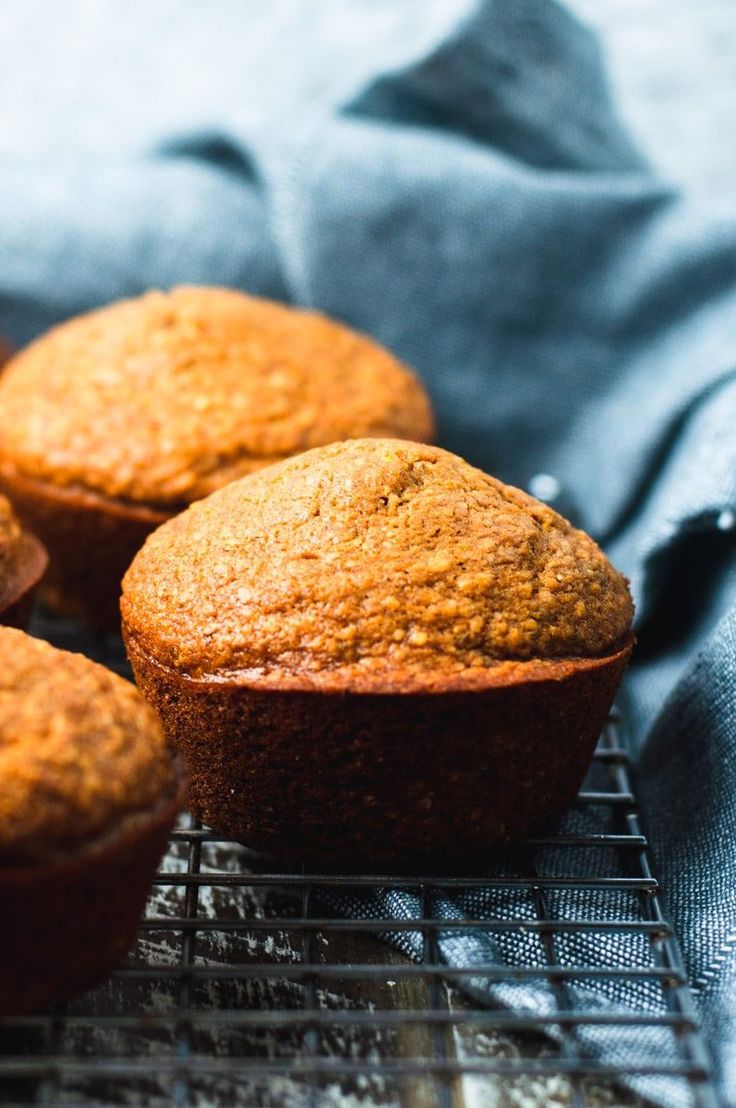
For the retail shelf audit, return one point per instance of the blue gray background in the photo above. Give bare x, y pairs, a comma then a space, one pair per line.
531, 204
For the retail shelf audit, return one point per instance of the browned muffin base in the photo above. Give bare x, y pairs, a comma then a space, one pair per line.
17, 599
66, 924
91, 541
390, 781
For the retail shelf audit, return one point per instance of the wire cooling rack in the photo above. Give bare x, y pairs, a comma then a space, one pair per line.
248, 987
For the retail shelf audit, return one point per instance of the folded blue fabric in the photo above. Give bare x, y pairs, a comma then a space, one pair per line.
614, 1043
462, 189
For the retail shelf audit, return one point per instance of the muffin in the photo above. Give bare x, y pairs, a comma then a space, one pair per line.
23, 562
88, 793
120, 418
376, 656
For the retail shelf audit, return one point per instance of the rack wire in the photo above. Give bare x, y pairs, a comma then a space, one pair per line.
250, 986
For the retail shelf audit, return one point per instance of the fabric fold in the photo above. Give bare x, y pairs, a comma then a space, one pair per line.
454, 180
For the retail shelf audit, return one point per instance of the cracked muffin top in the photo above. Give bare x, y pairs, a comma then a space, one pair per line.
79, 749
370, 559
165, 398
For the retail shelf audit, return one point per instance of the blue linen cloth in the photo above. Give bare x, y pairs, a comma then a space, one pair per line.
453, 179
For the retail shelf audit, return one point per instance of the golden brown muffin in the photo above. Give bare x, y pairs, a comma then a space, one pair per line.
23, 562
119, 418
374, 654
88, 793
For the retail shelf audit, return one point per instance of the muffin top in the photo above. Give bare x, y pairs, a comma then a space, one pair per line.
165, 398
79, 749
370, 557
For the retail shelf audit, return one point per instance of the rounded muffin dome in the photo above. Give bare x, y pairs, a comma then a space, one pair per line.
368, 557
79, 750
162, 399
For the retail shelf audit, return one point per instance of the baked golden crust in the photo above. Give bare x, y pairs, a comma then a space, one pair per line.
79, 751
162, 399
371, 562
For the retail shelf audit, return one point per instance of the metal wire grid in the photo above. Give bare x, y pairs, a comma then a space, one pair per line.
243, 989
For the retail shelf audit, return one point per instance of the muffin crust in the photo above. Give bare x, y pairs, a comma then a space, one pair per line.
371, 560
79, 751
162, 399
